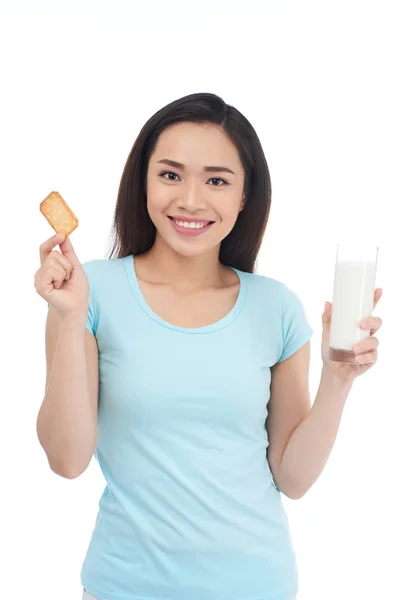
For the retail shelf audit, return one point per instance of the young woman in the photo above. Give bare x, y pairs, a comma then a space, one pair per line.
190, 383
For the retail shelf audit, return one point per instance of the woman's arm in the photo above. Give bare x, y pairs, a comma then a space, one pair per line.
310, 444
67, 420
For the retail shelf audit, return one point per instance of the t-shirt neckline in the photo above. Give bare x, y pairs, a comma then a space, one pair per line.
220, 324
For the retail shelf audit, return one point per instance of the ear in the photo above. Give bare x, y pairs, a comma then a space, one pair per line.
242, 204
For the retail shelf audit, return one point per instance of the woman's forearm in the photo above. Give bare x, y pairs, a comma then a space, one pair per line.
67, 422
311, 443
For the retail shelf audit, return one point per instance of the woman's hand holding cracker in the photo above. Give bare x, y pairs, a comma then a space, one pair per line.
61, 279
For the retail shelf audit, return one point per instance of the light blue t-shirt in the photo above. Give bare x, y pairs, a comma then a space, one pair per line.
190, 510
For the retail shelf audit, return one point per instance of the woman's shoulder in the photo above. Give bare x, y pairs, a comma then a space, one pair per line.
274, 288
261, 283
103, 271
264, 293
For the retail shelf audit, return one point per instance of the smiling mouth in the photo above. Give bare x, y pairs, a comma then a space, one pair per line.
190, 223
190, 227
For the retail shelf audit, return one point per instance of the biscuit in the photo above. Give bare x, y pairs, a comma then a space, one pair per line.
58, 214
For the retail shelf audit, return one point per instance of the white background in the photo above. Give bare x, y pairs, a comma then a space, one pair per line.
319, 82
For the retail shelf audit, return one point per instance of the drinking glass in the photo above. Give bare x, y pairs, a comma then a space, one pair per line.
353, 298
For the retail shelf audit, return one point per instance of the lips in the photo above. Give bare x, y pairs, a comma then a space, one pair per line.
190, 231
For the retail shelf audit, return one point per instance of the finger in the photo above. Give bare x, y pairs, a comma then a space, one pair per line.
367, 357
68, 250
377, 296
367, 345
53, 276
49, 244
371, 323
58, 258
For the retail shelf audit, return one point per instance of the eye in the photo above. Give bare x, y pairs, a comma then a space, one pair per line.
211, 179
168, 173
218, 179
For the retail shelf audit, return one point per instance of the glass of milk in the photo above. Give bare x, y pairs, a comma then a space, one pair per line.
353, 298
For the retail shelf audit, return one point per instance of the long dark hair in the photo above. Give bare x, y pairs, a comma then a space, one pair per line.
133, 230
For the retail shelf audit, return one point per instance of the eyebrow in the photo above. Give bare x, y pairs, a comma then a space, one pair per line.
173, 163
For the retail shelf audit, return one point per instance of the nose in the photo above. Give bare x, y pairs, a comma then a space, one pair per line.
191, 198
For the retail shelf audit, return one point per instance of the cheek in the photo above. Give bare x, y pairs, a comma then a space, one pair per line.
157, 201
228, 217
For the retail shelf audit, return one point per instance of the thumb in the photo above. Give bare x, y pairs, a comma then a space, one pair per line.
326, 315
67, 249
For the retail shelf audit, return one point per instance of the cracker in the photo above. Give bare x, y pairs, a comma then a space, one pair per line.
58, 214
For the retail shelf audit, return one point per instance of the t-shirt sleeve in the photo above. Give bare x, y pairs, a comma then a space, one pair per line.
91, 321
296, 330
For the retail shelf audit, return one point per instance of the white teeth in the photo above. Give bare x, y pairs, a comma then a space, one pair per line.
191, 225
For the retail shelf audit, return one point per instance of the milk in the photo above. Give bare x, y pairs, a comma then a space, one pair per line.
353, 300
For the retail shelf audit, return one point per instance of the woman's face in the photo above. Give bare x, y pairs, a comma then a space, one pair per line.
192, 208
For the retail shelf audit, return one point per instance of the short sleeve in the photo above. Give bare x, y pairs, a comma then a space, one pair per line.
296, 330
91, 321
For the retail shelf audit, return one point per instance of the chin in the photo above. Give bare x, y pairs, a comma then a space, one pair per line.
188, 250
189, 247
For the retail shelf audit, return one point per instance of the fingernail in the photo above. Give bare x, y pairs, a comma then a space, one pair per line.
364, 323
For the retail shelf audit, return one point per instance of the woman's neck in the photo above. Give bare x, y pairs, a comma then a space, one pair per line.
161, 264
